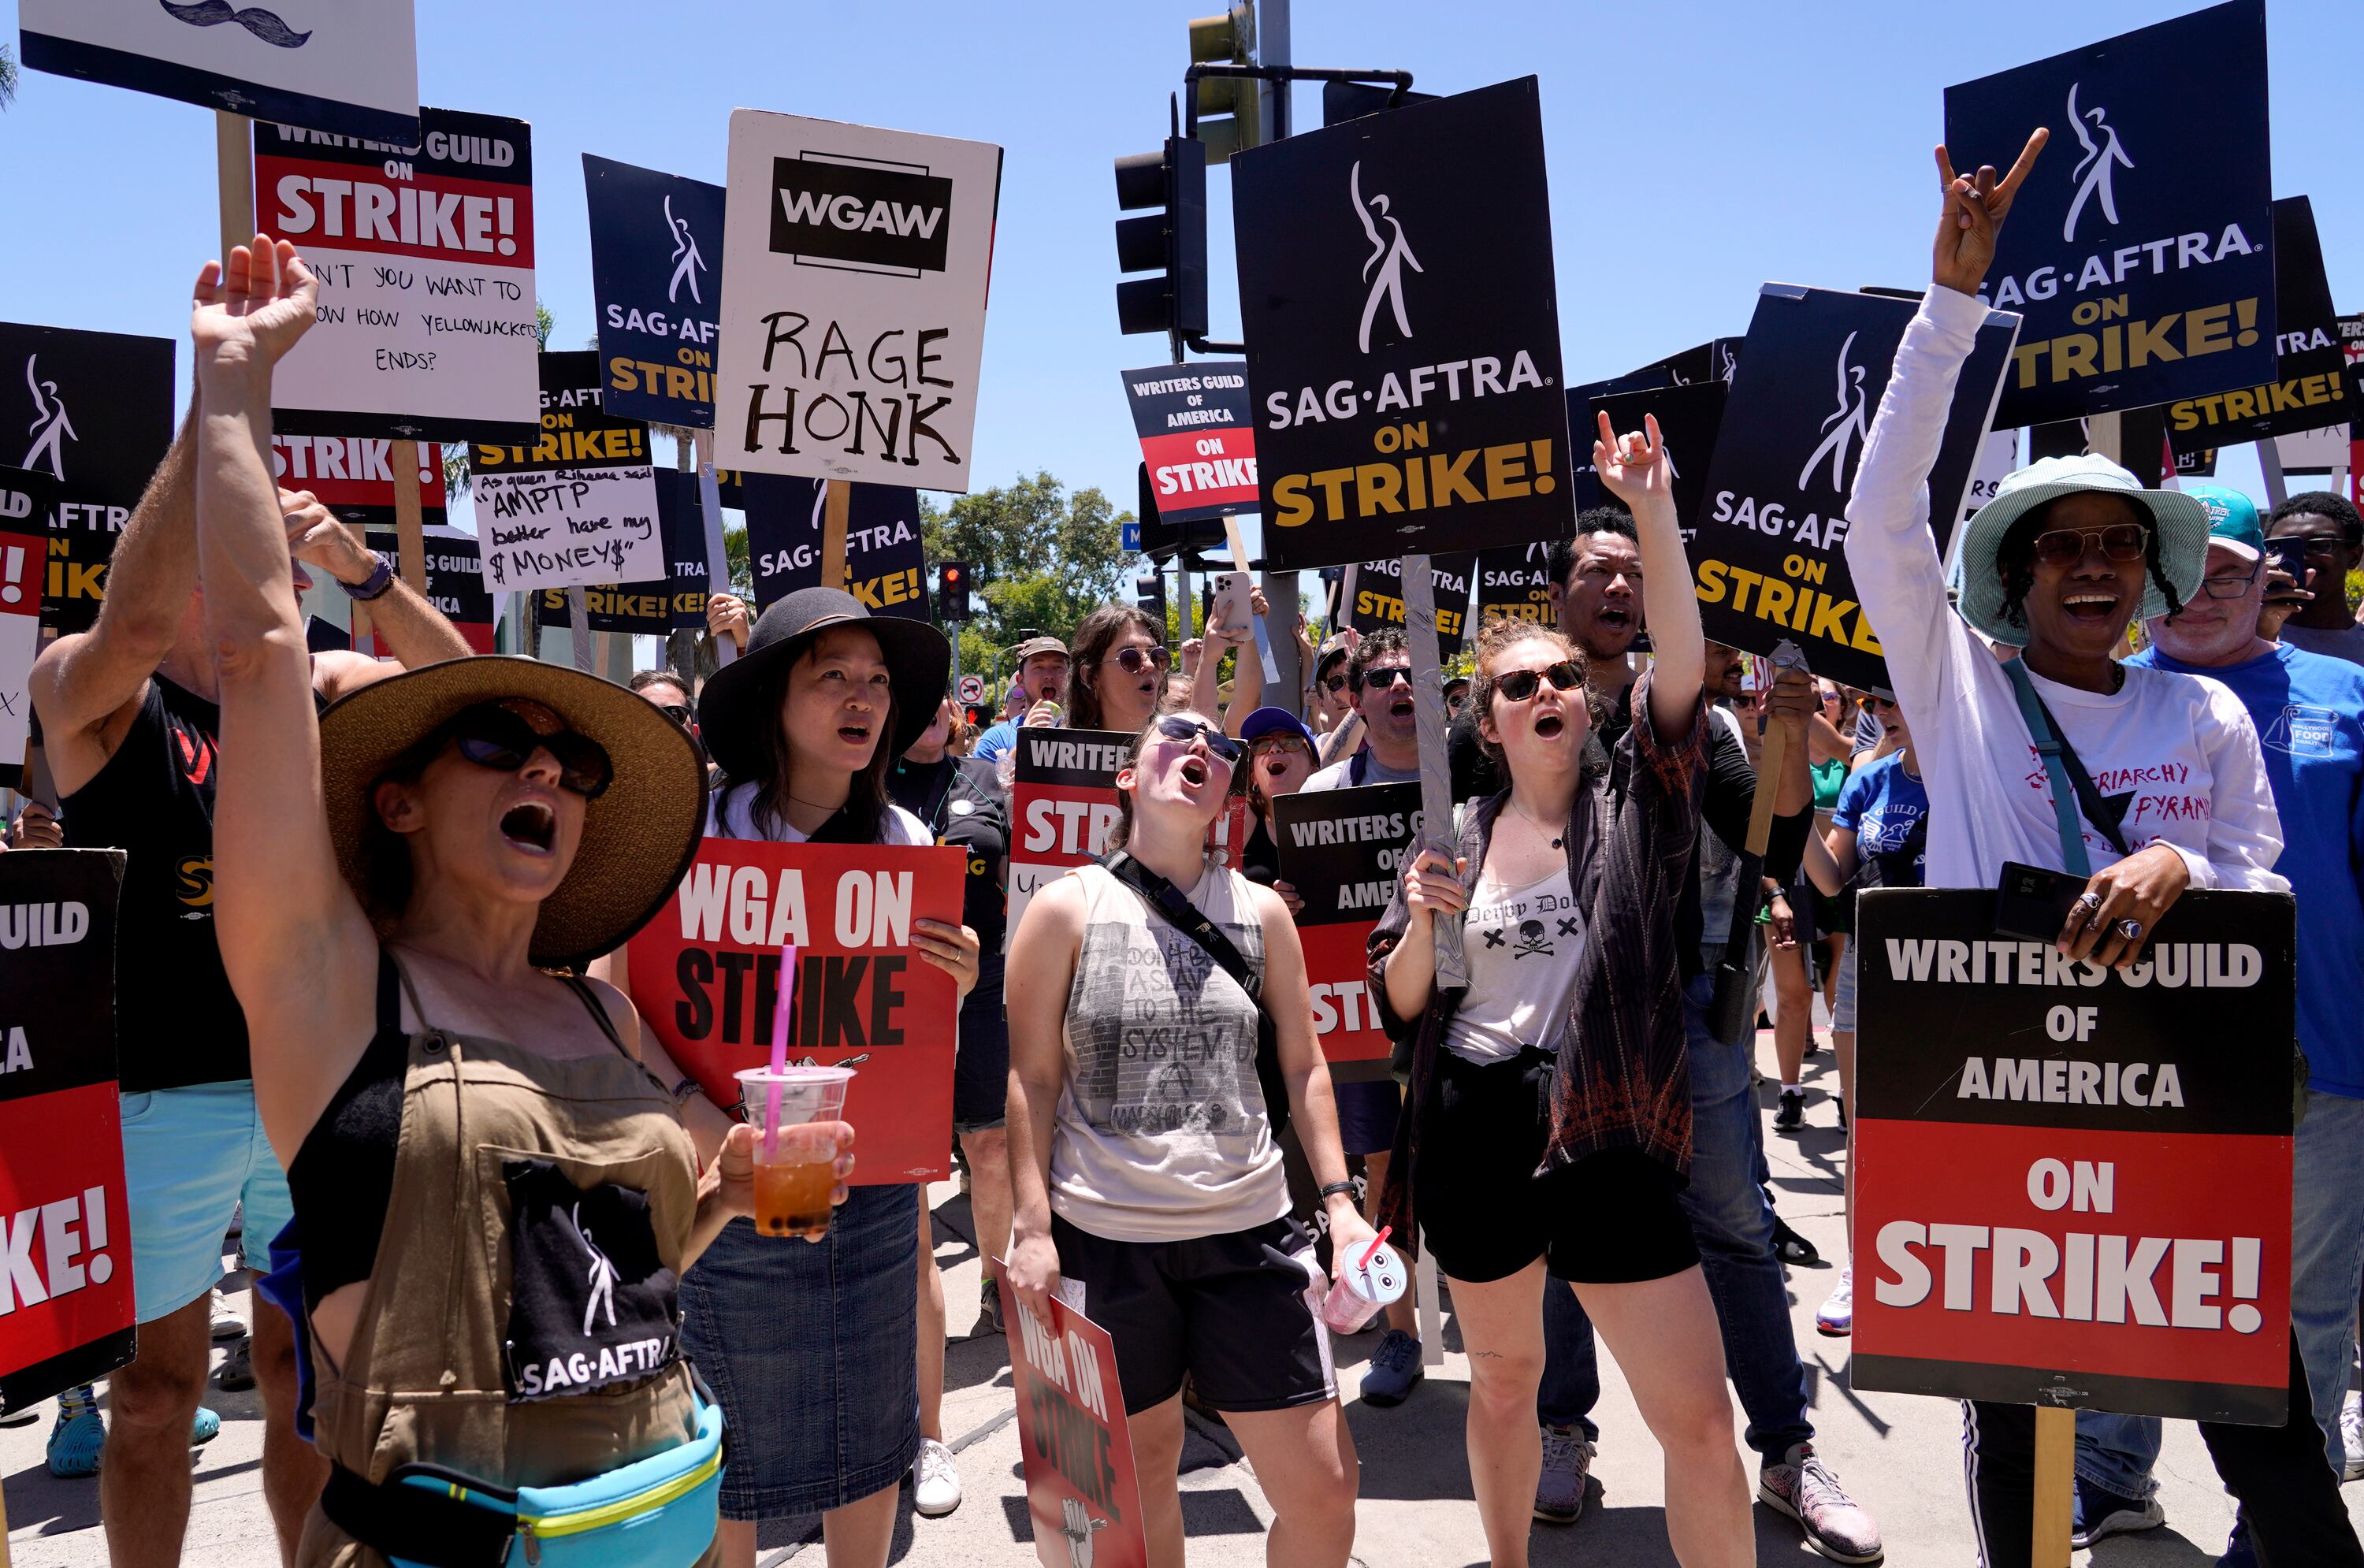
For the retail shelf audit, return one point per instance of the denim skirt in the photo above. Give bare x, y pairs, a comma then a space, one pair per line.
812, 1348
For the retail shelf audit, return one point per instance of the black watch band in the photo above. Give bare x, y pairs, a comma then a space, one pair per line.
374, 586
1334, 1187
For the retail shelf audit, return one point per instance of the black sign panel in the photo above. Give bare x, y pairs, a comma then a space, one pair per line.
1689, 415
682, 519
1380, 601
2310, 389
885, 565
639, 609
92, 410
1768, 550
656, 281
827, 209
1402, 327
455, 575
1196, 438
2140, 248
1515, 584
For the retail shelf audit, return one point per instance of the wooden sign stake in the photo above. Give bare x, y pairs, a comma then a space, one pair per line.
2056, 1479
409, 532
1435, 773
234, 163
835, 508
717, 562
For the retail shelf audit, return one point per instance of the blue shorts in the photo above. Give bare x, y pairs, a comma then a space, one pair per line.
1367, 1109
191, 1157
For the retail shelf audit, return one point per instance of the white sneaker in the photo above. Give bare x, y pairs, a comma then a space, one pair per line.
935, 1479
226, 1323
2351, 1437
1836, 1316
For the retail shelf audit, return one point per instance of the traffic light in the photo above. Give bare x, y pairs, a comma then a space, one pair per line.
1149, 592
951, 592
1230, 109
1172, 244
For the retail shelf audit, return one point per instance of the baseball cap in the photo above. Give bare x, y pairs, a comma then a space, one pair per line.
1034, 645
1267, 721
2232, 519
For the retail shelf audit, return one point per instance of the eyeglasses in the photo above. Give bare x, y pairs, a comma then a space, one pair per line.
1384, 676
1132, 661
2066, 547
1520, 684
1174, 726
1335, 684
494, 736
1266, 744
685, 716
2323, 544
2229, 586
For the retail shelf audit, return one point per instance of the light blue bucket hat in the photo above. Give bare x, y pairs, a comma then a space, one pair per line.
2182, 521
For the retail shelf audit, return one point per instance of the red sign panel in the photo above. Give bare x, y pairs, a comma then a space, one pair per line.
1081, 1488
705, 976
1341, 851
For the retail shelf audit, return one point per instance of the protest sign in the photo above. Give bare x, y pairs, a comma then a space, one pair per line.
884, 564
26, 499
353, 476
2028, 1129
1402, 328
426, 325
1063, 803
1197, 438
348, 66
65, 1298
1340, 851
94, 412
1768, 550
1515, 584
1072, 1436
1690, 417
656, 284
855, 264
579, 505
682, 517
2309, 386
1380, 601
455, 584
705, 976
636, 609
2140, 248
1715, 359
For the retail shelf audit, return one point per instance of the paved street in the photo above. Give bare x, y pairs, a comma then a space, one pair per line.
1900, 1455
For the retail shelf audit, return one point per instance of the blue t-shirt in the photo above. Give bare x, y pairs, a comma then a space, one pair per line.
2309, 710
995, 742
1880, 803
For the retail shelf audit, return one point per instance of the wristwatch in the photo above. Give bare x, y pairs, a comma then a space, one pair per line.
1326, 1193
380, 579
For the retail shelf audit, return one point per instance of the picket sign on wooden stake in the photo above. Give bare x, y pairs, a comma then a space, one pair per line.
410, 538
718, 560
1263, 636
1772, 756
578, 628
1435, 775
834, 509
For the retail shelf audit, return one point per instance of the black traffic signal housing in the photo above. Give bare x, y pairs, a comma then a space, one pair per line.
1171, 243
1149, 592
951, 592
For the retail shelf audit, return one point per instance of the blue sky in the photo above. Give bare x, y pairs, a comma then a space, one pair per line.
1696, 149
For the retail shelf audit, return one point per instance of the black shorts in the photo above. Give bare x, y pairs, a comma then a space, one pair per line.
1615, 1218
981, 1067
1229, 1311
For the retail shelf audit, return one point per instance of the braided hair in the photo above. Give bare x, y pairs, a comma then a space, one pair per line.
2015, 560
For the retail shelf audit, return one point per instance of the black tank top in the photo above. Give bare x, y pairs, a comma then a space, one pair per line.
176, 1020
342, 1176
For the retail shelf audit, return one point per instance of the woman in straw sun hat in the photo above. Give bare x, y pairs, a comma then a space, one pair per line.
495, 1190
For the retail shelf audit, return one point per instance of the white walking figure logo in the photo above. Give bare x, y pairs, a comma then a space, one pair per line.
602, 1275
49, 424
2099, 157
1852, 420
1384, 271
687, 262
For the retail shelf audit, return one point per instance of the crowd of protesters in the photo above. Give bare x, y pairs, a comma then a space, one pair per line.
403, 955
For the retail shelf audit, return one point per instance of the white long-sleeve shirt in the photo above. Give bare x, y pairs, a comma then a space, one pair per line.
2181, 747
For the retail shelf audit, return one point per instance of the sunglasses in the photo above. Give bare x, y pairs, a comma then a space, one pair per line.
1870, 702
1385, 677
1174, 726
2230, 586
2323, 544
492, 737
1270, 744
1132, 661
1335, 684
2066, 547
685, 716
1520, 684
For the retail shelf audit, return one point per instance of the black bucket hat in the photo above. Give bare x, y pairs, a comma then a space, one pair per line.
919, 666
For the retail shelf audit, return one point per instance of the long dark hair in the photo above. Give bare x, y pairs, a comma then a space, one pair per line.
865, 801
1094, 637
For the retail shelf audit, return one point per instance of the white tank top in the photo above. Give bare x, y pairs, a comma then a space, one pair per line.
1161, 1133
1524, 945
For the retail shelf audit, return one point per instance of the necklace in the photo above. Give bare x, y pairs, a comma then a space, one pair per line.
816, 805
1540, 827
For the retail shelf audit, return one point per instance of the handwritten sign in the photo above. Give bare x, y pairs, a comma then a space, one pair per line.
580, 505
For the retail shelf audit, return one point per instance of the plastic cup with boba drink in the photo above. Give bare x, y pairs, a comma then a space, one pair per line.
791, 1191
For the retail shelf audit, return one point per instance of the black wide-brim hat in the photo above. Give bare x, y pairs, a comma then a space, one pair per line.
731, 719
638, 836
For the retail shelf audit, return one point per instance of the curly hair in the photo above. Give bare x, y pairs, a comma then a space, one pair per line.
2324, 504
2015, 560
1381, 644
1496, 638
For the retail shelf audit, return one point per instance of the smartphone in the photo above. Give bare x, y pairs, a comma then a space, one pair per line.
2033, 904
2289, 555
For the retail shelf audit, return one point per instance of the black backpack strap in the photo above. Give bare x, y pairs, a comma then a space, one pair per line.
2089, 798
1183, 915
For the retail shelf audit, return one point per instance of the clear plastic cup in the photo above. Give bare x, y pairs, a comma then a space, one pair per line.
1373, 1277
792, 1193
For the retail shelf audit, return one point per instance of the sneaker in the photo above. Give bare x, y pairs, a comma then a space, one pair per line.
237, 1374
2100, 1512
75, 1440
226, 1323
1835, 1317
1395, 1368
1791, 1113
1802, 1486
988, 1310
2238, 1552
1567, 1461
2351, 1437
204, 1427
935, 1479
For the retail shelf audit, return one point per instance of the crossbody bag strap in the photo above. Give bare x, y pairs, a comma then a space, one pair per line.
2051, 747
1183, 915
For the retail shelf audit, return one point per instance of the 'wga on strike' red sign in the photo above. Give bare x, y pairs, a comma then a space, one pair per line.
705, 976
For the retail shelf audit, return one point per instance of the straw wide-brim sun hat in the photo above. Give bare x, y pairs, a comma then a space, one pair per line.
638, 838
2181, 519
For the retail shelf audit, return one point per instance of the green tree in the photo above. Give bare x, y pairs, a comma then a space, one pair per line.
8, 77
1042, 556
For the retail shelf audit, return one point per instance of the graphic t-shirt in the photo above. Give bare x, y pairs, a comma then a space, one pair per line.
1161, 1133
1880, 804
2310, 716
1522, 945
1362, 768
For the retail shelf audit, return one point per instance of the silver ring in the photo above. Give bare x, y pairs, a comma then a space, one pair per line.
2130, 929
2089, 901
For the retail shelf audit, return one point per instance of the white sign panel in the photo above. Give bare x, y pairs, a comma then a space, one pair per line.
579, 506
350, 66
854, 270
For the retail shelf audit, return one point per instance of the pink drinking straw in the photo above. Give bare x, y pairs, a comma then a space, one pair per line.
780, 1013
1385, 1232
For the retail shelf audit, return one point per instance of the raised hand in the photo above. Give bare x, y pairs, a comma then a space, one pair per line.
250, 310
1976, 206
1634, 467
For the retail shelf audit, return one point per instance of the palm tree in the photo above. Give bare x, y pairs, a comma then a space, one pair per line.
8, 77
